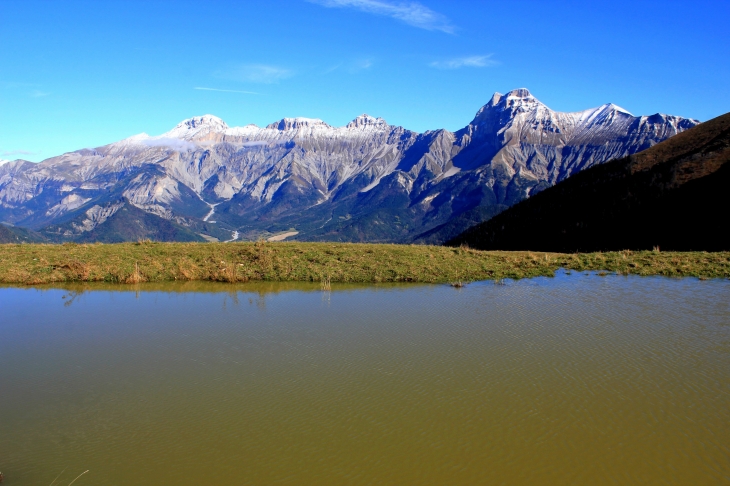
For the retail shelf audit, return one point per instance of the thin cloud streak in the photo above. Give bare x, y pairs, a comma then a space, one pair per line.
255, 73
13, 153
351, 67
173, 143
412, 13
468, 61
200, 88
333, 68
361, 65
38, 94
13, 85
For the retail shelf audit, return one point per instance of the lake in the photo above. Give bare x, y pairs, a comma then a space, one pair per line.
577, 379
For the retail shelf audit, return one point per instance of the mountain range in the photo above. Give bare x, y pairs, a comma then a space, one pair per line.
671, 197
366, 181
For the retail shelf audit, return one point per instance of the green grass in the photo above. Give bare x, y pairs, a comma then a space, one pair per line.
320, 262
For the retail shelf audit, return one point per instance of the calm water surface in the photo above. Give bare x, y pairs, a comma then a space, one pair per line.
572, 380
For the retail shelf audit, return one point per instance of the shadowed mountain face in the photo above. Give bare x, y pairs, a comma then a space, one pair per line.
9, 234
116, 222
672, 196
367, 181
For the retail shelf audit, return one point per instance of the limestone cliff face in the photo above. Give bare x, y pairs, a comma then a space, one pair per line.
333, 182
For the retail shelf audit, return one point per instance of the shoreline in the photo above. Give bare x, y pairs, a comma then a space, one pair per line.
132, 263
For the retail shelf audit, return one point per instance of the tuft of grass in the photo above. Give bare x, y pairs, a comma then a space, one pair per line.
136, 277
33, 264
69, 484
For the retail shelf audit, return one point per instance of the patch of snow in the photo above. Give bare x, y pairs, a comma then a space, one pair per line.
618, 108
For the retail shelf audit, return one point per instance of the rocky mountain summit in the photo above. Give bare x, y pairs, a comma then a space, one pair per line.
366, 181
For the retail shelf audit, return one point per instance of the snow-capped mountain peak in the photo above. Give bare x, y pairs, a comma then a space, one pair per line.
197, 126
364, 121
613, 107
296, 123
521, 94
507, 105
3, 161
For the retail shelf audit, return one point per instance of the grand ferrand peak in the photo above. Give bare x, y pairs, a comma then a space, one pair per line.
205, 121
197, 126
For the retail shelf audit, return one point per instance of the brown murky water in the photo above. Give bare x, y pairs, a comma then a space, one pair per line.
573, 380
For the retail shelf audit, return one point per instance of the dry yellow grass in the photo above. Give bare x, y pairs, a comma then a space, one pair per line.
314, 262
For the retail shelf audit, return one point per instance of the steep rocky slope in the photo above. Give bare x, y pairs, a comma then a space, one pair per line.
672, 196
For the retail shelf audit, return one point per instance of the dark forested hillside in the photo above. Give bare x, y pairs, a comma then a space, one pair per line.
13, 234
673, 196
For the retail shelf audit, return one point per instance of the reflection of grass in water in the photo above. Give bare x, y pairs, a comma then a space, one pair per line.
134, 263
69, 484
54, 481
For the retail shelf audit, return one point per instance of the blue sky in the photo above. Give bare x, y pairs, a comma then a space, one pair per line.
77, 74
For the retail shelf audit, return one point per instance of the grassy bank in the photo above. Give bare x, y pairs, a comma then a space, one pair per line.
324, 262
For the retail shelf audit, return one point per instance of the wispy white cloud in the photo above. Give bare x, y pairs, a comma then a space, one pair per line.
172, 143
255, 73
412, 13
352, 67
38, 94
200, 88
468, 61
12, 153
14, 84
361, 65
334, 68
